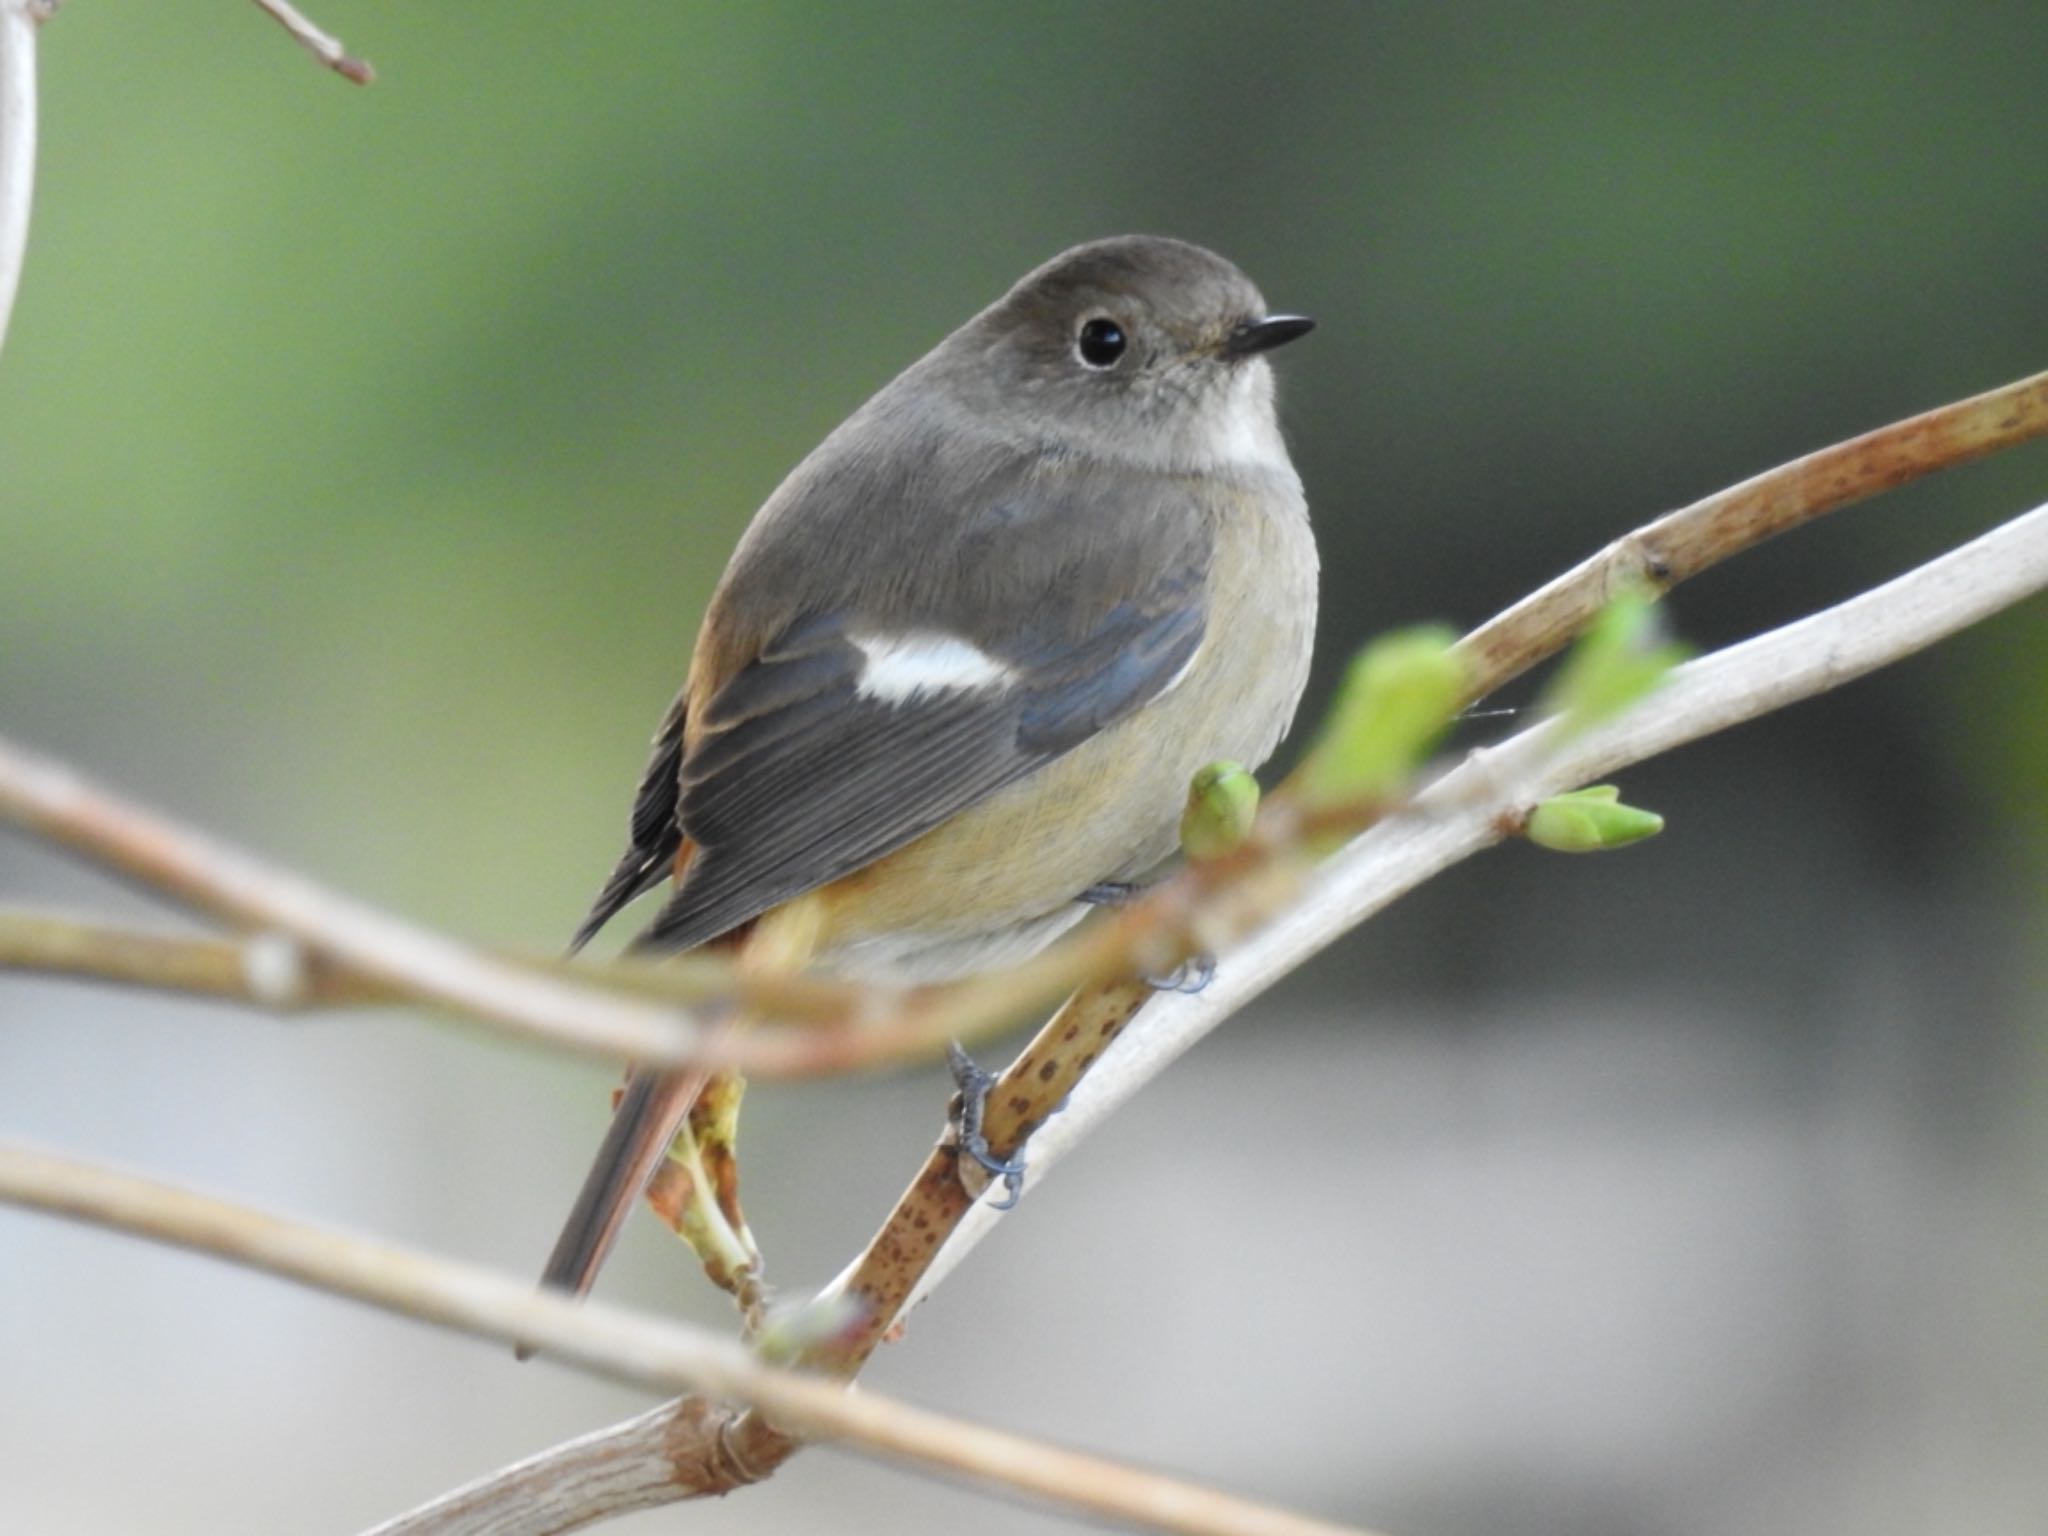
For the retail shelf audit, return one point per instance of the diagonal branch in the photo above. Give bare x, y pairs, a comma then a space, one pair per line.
627, 1346
1469, 809
1682, 544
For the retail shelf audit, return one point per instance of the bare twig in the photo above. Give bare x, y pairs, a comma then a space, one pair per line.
268, 970
261, 970
18, 22
56, 804
676, 1451
1682, 544
624, 1345
322, 45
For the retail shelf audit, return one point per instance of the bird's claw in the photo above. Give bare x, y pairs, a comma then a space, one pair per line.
1189, 977
974, 1085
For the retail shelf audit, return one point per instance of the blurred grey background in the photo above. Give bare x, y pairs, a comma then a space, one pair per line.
366, 457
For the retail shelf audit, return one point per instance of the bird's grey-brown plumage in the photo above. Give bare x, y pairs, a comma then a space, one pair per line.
980, 639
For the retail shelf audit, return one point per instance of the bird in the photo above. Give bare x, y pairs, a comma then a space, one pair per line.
950, 689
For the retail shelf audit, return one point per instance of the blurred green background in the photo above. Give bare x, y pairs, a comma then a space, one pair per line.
366, 458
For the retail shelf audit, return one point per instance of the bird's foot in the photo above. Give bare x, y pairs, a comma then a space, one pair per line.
974, 1085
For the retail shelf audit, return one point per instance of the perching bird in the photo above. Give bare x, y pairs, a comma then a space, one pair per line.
966, 658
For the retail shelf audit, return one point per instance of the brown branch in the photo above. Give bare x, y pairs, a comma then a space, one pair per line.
324, 46
268, 970
1682, 544
883, 1279
55, 804
1487, 797
626, 1346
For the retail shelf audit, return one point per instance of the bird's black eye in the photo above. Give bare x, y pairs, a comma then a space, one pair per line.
1101, 342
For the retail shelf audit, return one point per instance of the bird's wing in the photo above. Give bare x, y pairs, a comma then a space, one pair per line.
869, 674
867, 677
808, 768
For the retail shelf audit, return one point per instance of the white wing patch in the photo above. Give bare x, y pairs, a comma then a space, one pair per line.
899, 668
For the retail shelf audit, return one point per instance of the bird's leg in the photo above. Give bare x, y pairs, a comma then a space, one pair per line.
1112, 893
969, 1106
1191, 975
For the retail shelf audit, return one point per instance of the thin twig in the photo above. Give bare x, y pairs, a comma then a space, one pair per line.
257, 970
1682, 544
626, 1346
267, 970
673, 1452
323, 46
57, 805
18, 22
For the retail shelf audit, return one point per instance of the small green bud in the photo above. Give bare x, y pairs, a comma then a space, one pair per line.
1222, 800
1621, 657
1590, 820
1398, 697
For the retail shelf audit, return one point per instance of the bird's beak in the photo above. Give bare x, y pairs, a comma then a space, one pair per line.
1264, 335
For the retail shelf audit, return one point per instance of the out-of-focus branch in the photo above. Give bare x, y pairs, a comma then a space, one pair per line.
57, 805
324, 46
626, 1346
268, 970
677, 1451
18, 22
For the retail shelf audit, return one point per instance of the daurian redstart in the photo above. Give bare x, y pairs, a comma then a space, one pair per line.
968, 655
